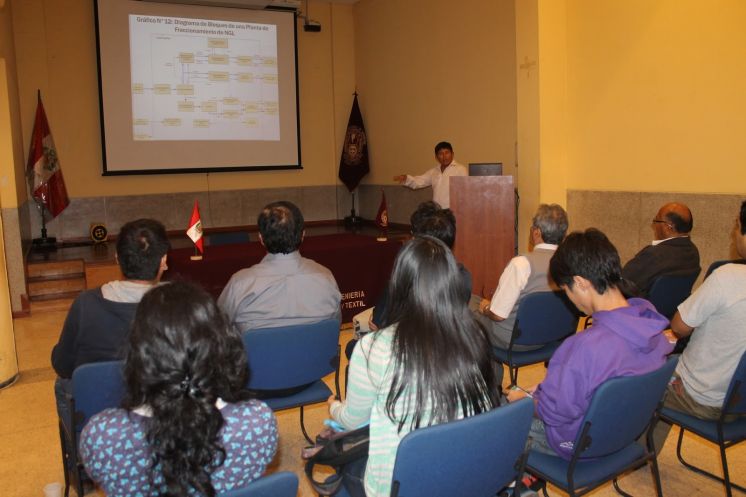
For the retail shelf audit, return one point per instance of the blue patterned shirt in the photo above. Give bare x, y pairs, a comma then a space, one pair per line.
116, 454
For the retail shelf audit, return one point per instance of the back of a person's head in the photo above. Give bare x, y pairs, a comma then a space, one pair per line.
281, 226
551, 220
589, 254
183, 355
680, 217
439, 349
430, 220
141, 245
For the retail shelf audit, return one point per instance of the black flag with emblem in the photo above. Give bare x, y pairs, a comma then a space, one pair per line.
354, 162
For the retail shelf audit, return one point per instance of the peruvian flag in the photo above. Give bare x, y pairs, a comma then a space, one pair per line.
43, 166
195, 228
382, 218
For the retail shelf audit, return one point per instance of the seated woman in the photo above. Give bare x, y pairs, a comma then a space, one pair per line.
626, 339
186, 426
429, 364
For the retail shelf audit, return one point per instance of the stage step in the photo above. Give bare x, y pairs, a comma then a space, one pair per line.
52, 304
53, 285
49, 269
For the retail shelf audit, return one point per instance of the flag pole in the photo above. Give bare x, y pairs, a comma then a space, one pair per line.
353, 221
44, 242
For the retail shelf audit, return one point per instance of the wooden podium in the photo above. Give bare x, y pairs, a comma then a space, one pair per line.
484, 207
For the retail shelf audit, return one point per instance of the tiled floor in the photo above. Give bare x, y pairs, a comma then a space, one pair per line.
29, 440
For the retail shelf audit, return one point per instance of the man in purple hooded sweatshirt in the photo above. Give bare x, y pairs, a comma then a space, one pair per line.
626, 339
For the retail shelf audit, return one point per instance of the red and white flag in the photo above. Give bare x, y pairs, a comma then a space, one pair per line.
195, 228
44, 167
382, 218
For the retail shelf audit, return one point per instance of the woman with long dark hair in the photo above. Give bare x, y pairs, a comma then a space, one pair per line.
430, 363
187, 426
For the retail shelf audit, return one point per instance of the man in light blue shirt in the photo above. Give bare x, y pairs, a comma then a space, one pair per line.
284, 288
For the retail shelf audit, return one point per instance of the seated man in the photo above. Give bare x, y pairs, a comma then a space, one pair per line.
284, 288
626, 339
428, 220
714, 316
671, 253
98, 323
524, 274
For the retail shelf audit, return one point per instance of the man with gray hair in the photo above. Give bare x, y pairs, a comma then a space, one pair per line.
524, 274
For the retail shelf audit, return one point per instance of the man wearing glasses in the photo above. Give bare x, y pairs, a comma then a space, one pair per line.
672, 251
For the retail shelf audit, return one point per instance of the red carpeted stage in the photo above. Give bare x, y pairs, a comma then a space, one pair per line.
360, 264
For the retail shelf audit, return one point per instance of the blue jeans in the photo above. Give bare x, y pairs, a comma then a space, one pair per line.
352, 477
538, 436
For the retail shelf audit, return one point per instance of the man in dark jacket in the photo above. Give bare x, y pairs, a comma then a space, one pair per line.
671, 253
98, 323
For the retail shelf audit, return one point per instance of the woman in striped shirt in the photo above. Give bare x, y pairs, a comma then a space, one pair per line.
429, 364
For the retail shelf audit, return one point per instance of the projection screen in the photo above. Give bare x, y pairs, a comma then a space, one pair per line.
187, 88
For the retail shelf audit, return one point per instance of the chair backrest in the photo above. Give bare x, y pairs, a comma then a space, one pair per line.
544, 317
717, 264
621, 409
291, 356
227, 237
283, 484
95, 387
668, 291
735, 397
475, 456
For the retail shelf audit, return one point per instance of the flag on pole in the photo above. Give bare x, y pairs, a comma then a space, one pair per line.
43, 167
194, 232
382, 218
354, 162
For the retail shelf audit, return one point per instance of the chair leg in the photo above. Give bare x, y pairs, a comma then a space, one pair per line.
65, 457
303, 427
725, 481
619, 490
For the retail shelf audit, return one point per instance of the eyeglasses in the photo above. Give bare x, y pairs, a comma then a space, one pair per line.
661, 221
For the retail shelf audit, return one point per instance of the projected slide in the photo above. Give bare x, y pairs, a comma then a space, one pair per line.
195, 79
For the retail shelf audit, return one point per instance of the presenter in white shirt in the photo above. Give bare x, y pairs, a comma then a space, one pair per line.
438, 177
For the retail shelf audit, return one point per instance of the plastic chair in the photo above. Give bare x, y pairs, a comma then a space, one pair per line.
293, 359
543, 318
227, 237
723, 433
283, 484
95, 387
668, 291
717, 264
621, 409
474, 457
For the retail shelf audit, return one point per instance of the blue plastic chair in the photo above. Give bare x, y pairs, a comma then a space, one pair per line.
724, 434
668, 291
294, 358
227, 238
543, 318
621, 410
717, 264
283, 484
474, 457
95, 387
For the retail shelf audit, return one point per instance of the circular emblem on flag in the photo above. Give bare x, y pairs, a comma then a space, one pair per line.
98, 232
354, 145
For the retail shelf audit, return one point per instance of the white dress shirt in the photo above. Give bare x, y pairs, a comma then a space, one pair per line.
440, 181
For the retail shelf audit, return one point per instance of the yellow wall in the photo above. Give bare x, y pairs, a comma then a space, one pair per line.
12, 179
655, 95
56, 52
431, 70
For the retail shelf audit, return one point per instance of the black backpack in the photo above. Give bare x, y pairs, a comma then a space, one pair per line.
335, 449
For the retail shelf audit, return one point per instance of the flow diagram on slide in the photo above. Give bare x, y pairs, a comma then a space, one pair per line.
202, 79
